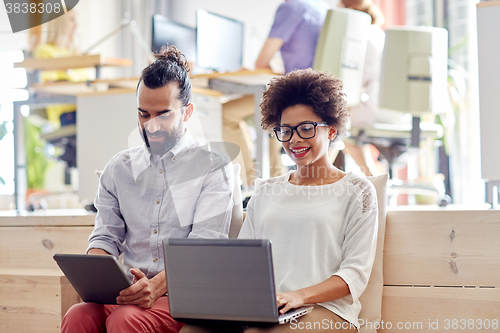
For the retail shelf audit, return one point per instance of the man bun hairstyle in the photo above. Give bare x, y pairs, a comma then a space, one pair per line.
170, 66
320, 90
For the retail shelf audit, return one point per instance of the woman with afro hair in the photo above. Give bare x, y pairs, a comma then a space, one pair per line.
322, 222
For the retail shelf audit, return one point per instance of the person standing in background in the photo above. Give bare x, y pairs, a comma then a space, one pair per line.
295, 32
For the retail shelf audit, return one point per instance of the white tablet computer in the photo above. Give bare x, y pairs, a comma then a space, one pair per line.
96, 278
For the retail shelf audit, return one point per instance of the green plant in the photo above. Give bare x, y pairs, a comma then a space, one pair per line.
37, 162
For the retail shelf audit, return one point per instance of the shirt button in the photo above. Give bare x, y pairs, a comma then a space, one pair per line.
174, 158
155, 260
161, 171
157, 201
155, 231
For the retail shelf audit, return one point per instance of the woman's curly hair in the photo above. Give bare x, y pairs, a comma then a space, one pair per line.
170, 66
320, 90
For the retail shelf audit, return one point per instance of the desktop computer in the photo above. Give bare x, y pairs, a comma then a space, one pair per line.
219, 42
166, 32
215, 44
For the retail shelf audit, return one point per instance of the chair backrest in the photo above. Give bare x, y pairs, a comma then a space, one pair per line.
414, 70
371, 299
341, 49
237, 214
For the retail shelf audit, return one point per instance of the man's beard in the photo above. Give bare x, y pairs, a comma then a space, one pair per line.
169, 140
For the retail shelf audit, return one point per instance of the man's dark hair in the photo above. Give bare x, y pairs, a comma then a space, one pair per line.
170, 66
319, 90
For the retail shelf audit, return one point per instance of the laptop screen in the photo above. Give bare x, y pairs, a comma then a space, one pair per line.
220, 279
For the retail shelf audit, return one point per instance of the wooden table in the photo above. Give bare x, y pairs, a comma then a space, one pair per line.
84, 61
250, 83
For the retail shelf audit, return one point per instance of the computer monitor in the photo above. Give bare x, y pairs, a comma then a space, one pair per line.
219, 42
166, 32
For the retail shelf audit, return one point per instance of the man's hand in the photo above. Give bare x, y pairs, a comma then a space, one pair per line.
143, 292
97, 251
289, 300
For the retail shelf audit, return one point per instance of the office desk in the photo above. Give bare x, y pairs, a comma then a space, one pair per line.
249, 83
84, 61
99, 111
111, 104
243, 82
107, 123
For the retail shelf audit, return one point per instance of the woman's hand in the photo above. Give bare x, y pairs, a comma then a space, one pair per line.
289, 300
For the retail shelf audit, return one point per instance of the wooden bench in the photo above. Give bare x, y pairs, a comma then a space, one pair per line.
441, 270
34, 293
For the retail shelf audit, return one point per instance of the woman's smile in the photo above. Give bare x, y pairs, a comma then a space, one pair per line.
299, 152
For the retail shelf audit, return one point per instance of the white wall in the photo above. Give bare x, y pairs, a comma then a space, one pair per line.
489, 73
96, 18
8, 40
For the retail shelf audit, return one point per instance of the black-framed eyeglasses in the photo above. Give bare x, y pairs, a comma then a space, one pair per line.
305, 130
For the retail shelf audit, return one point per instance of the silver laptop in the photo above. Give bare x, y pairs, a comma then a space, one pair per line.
223, 281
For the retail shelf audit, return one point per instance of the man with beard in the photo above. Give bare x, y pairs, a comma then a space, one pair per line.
171, 187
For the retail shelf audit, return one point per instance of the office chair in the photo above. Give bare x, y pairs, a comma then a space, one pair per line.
341, 49
413, 81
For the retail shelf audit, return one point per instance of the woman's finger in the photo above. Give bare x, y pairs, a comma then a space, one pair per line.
286, 308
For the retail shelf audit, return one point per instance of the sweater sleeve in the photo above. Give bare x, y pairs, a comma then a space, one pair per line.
360, 240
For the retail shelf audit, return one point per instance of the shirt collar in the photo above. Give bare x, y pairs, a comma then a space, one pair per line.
141, 159
185, 142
